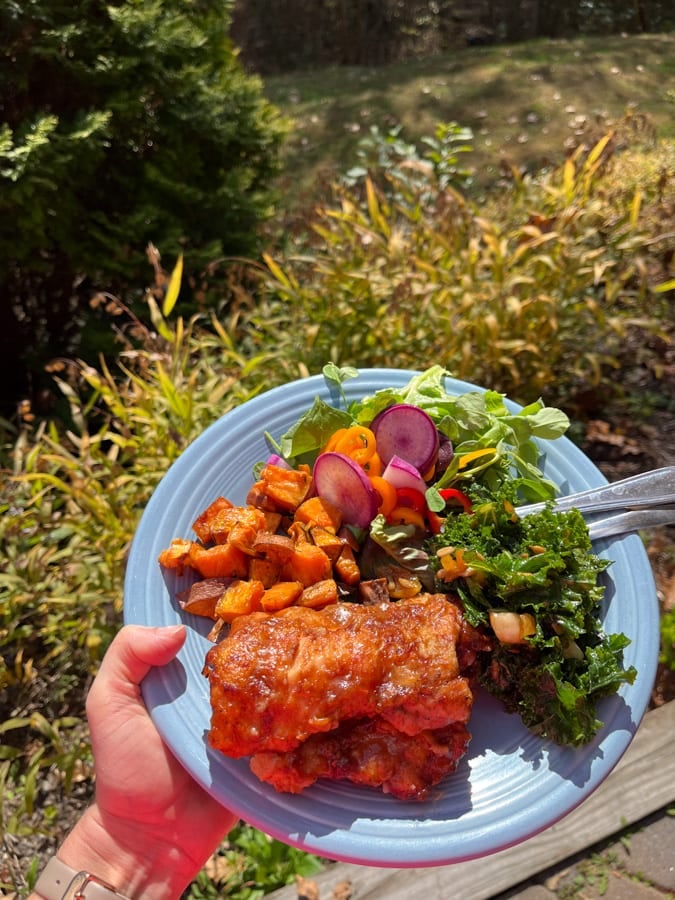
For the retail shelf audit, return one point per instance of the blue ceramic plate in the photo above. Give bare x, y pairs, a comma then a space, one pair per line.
509, 786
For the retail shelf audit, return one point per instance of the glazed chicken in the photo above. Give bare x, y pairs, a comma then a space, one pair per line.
371, 693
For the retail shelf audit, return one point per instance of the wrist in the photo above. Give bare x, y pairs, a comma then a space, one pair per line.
135, 866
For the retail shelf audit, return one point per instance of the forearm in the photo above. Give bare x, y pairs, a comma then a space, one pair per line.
137, 866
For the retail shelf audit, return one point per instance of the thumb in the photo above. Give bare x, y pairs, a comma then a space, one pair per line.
134, 651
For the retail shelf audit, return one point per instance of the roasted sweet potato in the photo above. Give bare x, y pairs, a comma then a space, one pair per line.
319, 595
203, 524
317, 511
287, 488
277, 548
240, 599
218, 561
281, 595
200, 599
346, 568
176, 555
264, 570
244, 531
308, 564
329, 542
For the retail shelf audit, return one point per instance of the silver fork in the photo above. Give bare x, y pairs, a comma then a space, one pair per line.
648, 489
646, 500
634, 520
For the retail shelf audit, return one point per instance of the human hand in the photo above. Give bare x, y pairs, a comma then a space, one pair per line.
151, 827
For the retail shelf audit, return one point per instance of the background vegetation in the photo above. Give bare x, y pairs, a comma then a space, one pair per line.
553, 280
373, 32
120, 124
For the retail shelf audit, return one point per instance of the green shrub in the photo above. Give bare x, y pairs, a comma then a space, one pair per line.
535, 291
121, 124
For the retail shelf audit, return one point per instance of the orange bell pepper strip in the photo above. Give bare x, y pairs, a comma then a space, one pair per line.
387, 493
332, 440
358, 442
374, 467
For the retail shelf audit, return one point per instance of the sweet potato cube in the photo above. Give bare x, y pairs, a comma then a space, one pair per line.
329, 542
317, 511
245, 530
176, 555
272, 521
265, 570
201, 597
287, 488
222, 560
204, 523
240, 599
257, 498
281, 595
318, 595
298, 532
346, 568
277, 548
308, 564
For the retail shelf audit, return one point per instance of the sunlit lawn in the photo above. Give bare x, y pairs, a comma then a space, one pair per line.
524, 102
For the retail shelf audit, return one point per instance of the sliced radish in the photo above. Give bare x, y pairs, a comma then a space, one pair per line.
342, 482
401, 474
406, 431
275, 460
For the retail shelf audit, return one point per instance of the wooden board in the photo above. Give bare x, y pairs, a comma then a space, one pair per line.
642, 782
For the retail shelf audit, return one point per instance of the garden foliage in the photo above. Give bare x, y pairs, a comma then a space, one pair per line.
120, 124
545, 287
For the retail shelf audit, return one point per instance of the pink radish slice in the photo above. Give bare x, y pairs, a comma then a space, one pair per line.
342, 482
275, 460
409, 432
400, 473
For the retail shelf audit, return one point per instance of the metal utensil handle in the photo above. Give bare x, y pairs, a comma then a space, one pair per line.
654, 488
622, 523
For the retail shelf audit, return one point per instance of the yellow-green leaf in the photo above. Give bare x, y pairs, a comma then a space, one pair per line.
173, 290
158, 320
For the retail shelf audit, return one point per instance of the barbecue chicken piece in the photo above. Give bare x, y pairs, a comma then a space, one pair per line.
369, 752
376, 685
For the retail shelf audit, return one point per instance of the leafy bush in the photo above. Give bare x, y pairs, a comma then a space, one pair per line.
121, 124
535, 291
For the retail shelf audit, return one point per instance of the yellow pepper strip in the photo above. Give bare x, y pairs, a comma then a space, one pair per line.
467, 458
404, 515
358, 442
387, 494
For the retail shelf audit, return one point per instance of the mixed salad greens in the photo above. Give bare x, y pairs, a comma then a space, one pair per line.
531, 582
